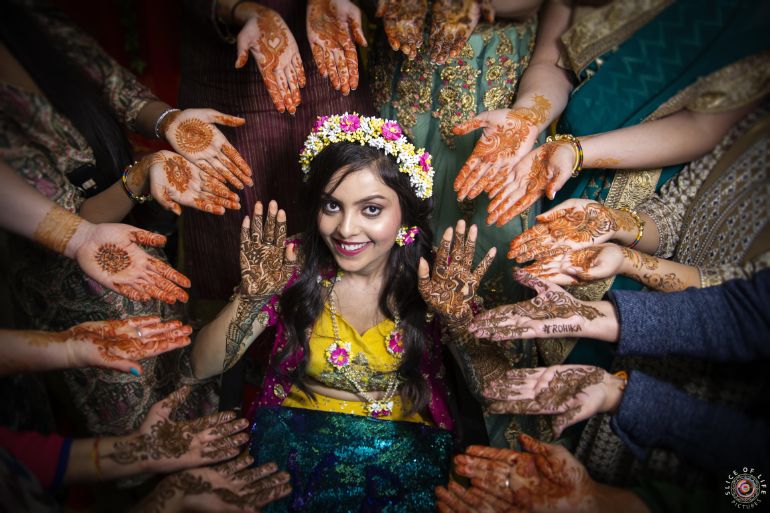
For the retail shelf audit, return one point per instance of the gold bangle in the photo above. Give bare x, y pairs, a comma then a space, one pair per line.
95, 458
639, 226
624, 376
577, 167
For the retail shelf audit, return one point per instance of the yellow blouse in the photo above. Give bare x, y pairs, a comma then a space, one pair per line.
369, 360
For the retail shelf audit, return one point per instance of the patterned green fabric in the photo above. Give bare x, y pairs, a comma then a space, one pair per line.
341, 462
428, 100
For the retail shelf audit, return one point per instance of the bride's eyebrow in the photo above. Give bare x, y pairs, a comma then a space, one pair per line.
370, 198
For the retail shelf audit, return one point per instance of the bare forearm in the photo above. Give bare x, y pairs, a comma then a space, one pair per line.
109, 206
675, 139
543, 76
32, 351
148, 117
658, 273
506, 9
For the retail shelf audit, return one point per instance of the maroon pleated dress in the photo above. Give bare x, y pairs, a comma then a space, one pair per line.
270, 141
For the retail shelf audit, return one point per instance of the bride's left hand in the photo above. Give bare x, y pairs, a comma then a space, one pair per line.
452, 287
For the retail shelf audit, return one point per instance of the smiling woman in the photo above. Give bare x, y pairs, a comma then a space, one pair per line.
357, 361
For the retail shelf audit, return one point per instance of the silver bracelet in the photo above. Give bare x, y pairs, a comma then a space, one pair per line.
160, 120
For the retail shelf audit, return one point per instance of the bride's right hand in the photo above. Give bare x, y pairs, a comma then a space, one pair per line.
267, 262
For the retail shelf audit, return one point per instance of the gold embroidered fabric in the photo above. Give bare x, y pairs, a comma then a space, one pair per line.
485, 74
595, 30
727, 88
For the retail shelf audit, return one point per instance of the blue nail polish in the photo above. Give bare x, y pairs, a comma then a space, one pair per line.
134, 371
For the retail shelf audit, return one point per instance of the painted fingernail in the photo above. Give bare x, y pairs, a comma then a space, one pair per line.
134, 371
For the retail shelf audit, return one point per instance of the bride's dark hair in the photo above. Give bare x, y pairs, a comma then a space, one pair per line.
302, 303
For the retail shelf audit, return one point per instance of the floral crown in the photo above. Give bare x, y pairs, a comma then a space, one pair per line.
378, 133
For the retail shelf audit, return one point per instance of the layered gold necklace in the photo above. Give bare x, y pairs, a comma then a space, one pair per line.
338, 354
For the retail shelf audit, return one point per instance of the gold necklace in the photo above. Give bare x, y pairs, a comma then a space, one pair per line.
338, 354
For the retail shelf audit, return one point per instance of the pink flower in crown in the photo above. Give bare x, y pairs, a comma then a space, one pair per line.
396, 344
425, 161
339, 356
391, 130
350, 123
319, 122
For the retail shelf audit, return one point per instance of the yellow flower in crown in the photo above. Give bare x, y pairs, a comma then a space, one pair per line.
383, 134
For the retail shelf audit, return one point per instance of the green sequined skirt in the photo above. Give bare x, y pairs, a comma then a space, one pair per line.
349, 463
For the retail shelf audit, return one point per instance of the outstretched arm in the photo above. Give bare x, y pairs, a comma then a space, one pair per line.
509, 134
267, 264
111, 254
115, 345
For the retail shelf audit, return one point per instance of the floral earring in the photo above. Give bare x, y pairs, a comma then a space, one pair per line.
406, 235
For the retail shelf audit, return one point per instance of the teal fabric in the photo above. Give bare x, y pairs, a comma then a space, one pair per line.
350, 463
686, 41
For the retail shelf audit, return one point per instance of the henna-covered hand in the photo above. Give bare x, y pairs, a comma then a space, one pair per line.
166, 445
553, 312
528, 181
542, 478
509, 135
227, 488
570, 393
403, 21
332, 27
111, 254
174, 181
574, 224
268, 39
267, 262
193, 134
120, 344
582, 265
451, 290
453, 22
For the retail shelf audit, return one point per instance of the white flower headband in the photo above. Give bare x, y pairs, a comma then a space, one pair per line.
379, 133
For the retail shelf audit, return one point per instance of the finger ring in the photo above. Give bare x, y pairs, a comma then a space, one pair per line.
138, 332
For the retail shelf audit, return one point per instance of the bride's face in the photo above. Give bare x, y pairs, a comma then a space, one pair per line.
359, 221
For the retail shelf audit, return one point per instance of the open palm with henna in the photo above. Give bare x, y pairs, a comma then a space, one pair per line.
553, 312
574, 224
451, 290
570, 393
332, 28
193, 134
120, 344
508, 136
267, 263
175, 182
111, 254
167, 445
